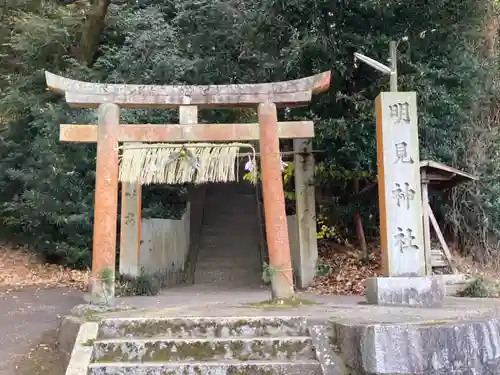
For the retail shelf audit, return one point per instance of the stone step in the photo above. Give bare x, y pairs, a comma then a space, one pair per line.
227, 264
214, 250
233, 220
238, 198
228, 254
181, 350
226, 235
230, 229
230, 232
240, 269
309, 367
221, 250
227, 279
227, 257
238, 274
242, 195
203, 327
224, 218
232, 240
231, 203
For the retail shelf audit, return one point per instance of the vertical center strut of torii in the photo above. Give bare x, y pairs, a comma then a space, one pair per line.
110, 98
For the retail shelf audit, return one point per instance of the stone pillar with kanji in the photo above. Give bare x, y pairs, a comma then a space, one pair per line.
400, 207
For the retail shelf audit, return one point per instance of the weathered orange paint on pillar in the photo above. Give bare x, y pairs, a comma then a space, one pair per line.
274, 202
106, 205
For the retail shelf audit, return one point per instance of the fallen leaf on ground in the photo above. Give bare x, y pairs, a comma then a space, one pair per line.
347, 269
20, 269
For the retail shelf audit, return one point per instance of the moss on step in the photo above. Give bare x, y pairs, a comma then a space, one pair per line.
89, 342
94, 313
283, 303
200, 328
166, 351
434, 323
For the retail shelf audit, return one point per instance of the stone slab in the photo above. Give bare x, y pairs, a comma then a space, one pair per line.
424, 291
432, 348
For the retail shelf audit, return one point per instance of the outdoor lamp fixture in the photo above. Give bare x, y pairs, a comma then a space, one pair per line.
392, 71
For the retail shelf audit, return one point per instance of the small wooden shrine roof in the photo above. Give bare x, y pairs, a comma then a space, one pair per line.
442, 176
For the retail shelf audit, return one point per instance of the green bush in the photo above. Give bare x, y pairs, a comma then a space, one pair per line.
46, 187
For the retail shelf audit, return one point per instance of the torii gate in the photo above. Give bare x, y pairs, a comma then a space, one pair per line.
109, 98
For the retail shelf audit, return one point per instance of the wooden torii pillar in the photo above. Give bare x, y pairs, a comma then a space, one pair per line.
109, 98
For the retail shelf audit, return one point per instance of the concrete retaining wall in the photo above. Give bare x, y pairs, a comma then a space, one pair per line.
165, 246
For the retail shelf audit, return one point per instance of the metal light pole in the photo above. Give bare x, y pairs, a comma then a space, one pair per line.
392, 71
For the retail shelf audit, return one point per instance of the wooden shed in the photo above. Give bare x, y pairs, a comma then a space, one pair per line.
437, 176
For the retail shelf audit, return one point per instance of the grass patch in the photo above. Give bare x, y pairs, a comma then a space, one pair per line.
480, 288
89, 342
284, 303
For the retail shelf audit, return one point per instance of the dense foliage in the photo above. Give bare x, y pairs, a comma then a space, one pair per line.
447, 54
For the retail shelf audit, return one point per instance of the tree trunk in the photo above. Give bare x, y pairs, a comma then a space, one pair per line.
360, 233
92, 29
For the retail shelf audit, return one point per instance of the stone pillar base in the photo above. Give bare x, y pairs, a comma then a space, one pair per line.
425, 291
102, 292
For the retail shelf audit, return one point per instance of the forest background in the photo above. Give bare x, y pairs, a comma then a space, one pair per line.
447, 54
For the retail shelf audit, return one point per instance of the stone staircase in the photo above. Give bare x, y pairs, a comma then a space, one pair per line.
229, 249
204, 346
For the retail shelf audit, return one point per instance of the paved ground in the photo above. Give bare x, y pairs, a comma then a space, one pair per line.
25, 316
201, 301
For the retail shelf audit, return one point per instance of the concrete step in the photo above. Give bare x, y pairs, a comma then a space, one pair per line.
229, 251
203, 327
227, 265
227, 234
232, 219
223, 248
243, 195
237, 219
229, 258
230, 205
180, 350
230, 242
310, 367
214, 266
239, 269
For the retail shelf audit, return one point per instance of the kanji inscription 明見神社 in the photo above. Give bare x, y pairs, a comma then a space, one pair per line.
399, 185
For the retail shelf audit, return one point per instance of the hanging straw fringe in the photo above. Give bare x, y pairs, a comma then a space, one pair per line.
171, 164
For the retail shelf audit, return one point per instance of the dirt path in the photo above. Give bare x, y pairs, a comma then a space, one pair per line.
29, 317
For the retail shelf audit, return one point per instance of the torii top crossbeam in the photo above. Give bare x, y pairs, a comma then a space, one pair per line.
294, 93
